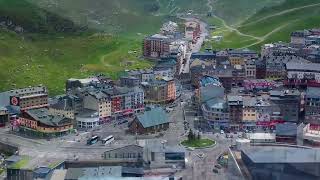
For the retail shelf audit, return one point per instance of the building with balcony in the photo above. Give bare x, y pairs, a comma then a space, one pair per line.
215, 111
40, 122
312, 99
235, 106
302, 74
273, 162
289, 102
29, 98
4, 116
156, 46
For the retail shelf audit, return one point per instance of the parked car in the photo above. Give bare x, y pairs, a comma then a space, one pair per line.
218, 166
221, 131
215, 170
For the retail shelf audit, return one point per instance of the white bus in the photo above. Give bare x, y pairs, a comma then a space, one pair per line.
107, 140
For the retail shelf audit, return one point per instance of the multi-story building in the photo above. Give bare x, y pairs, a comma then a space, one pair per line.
245, 53
192, 30
312, 105
298, 38
276, 65
99, 102
273, 162
249, 112
160, 91
29, 98
289, 102
156, 46
260, 69
213, 105
235, 106
237, 60
125, 101
229, 76
171, 92
258, 84
63, 107
130, 81
215, 112
303, 74
40, 122
161, 72
4, 116
250, 68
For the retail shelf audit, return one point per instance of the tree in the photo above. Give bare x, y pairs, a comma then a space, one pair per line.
190, 135
199, 136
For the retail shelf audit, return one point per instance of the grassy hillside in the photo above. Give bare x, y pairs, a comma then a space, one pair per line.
120, 16
236, 11
270, 25
35, 57
116, 29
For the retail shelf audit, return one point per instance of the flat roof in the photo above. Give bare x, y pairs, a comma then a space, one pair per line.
277, 154
261, 136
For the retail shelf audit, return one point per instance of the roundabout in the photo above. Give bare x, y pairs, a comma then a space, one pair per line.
198, 143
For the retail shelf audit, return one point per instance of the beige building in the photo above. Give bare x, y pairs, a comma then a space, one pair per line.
29, 98
98, 101
249, 112
237, 60
250, 67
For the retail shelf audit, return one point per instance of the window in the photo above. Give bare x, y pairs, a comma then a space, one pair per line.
152, 156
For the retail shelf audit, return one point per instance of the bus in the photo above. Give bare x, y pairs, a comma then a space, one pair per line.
92, 140
107, 140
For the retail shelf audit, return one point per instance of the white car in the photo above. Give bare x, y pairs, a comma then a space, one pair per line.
221, 132
191, 148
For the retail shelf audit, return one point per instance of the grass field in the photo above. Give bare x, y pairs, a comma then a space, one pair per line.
50, 61
198, 143
38, 58
20, 164
271, 24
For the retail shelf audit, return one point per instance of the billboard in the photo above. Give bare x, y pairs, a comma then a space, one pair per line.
14, 101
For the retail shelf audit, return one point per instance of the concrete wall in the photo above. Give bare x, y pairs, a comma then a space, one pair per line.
8, 147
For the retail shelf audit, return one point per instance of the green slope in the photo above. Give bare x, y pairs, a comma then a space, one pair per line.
124, 16
236, 11
271, 24
38, 58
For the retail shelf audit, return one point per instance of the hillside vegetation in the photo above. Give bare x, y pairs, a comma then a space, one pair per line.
64, 39
270, 24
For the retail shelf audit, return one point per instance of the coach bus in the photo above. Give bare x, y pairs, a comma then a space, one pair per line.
107, 140
92, 140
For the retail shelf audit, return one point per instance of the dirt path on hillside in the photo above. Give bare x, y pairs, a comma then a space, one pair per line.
267, 35
282, 12
236, 30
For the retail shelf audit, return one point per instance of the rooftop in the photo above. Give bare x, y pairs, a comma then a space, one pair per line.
286, 129
313, 92
210, 92
279, 154
42, 115
303, 66
96, 172
217, 103
153, 117
26, 162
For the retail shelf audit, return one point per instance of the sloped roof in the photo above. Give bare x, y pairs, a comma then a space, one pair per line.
42, 115
153, 117
210, 92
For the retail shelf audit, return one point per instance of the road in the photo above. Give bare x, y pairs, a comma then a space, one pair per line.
194, 47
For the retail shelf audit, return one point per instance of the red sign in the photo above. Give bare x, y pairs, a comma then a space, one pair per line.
14, 101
